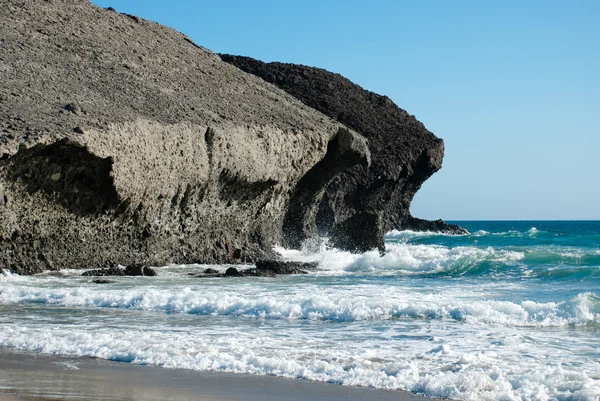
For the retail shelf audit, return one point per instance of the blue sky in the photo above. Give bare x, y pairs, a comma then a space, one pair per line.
512, 87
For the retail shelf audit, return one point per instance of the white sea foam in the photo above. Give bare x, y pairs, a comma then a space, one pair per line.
404, 320
357, 303
6, 275
409, 234
489, 366
405, 259
401, 234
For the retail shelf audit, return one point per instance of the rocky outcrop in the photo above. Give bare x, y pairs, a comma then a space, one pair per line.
359, 233
131, 270
122, 141
403, 152
264, 268
286, 267
413, 223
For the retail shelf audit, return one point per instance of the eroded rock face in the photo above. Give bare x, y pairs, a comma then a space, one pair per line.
403, 152
343, 152
121, 142
359, 233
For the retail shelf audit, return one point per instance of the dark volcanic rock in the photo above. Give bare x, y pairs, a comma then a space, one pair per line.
102, 281
254, 272
131, 270
139, 270
281, 267
232, 272
111, 271
360, 233
403, 152
264, 268
415, 224
122, 140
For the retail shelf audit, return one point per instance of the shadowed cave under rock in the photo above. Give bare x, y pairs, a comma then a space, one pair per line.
344, 150
68, 173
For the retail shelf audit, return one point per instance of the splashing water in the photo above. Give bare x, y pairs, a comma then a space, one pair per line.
509, 312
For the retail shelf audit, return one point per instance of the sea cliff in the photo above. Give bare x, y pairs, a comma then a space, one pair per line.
404, 153
122, 141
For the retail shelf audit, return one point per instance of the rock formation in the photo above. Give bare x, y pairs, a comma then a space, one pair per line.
404, 153
122, 141
264, 268
131, 270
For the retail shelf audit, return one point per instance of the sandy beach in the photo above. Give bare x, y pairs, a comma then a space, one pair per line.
26, 376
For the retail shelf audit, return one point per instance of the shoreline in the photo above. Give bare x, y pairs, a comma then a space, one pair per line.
34, 377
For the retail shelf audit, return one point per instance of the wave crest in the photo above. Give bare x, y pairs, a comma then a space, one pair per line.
332, 305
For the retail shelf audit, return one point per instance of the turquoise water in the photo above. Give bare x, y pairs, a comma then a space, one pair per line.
551, 257
509, 312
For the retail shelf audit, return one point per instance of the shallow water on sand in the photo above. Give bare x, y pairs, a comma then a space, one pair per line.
511, 311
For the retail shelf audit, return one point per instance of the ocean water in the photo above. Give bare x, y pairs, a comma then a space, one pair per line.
509, 312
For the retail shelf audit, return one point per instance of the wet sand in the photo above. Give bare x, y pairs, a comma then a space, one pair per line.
25, 376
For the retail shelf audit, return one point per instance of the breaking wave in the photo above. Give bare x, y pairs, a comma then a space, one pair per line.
332, 305
482, 316
405, 259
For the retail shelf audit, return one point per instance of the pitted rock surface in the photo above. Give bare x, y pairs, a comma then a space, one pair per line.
122, 142
404, 154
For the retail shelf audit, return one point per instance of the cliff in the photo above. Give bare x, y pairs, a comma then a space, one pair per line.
122, 141
404, 153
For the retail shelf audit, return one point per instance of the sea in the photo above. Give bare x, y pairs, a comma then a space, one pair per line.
510, 311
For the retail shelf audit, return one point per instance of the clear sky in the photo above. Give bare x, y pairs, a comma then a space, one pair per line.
513, 87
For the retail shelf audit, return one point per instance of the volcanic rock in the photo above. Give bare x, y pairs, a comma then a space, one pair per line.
403, 152
413, 223
138, 269
281, 267
111, 271
232, 272
122, 140
264, 268
131, 270
102, 281
359, 233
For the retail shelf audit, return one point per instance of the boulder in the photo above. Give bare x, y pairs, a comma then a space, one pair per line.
281, 267
138, 269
